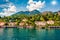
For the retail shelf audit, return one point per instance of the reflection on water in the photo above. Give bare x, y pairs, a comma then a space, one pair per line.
25, 34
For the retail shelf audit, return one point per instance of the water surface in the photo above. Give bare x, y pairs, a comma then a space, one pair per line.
25, 34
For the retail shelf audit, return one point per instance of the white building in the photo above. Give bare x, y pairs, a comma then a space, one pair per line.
40, 23
50, 22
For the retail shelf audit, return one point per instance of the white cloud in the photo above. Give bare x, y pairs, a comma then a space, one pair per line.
33, 5
8, 11
54, 2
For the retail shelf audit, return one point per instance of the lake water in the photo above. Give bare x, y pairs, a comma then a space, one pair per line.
25, 34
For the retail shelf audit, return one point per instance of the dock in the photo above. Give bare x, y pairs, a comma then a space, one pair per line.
54, 27
8, 26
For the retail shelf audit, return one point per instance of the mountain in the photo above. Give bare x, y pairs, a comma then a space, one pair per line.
23, 12
34, 12
27, 12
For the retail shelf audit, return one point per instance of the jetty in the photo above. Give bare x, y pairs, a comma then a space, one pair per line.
54, 27
8, 26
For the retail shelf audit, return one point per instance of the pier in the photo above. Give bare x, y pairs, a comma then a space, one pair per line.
54, 27
8, 26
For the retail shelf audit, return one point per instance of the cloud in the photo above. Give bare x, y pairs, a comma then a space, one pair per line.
54, 2
33, 5
8, 11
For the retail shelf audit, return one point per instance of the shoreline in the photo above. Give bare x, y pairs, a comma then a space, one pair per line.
49, 27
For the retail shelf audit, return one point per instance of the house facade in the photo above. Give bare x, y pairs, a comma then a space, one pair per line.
50, 22
2, 23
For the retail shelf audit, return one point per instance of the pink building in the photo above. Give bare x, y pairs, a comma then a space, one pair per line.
2, 23
29, 26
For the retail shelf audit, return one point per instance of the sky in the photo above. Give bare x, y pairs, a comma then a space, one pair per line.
9, 7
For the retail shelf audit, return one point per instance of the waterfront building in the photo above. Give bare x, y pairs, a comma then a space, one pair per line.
40, 23
21, 23
2, 23
50, 22
12, 23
